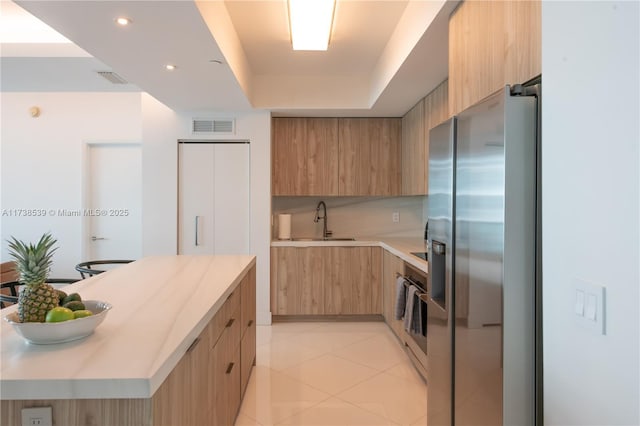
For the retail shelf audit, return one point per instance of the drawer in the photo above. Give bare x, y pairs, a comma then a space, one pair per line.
227, 316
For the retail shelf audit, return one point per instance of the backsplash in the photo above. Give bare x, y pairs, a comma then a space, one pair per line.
352, 216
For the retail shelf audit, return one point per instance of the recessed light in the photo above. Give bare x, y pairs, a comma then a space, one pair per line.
123, 21
170, 67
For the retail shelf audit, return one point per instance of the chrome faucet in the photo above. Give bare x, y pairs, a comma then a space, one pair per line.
325, 232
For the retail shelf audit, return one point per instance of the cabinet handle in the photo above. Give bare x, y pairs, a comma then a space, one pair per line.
230, 367
230, 322
250, 322
193, 345
197, 230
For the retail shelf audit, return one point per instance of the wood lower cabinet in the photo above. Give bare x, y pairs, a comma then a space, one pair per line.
392, 265
248, 325
224, 382
326, 280
354, 285
206, 386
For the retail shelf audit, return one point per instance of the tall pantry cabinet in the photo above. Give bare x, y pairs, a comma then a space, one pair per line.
213, 197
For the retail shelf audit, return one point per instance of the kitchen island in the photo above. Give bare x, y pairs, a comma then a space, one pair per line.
176, 348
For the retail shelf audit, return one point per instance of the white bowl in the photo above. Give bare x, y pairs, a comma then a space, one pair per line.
48, 333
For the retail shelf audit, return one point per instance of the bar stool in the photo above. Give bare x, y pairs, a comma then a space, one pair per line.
86, 268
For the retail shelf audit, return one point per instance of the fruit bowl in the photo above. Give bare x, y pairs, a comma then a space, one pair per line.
48, 333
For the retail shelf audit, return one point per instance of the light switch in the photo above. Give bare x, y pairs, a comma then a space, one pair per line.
579, 305
592, 306
589, 306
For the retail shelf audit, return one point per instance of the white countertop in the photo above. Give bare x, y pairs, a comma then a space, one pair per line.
160, 305
399, 246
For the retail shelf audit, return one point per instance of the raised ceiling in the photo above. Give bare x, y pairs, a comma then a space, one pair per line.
383, 56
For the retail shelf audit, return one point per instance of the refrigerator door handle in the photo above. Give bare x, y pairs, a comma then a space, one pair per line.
438, 273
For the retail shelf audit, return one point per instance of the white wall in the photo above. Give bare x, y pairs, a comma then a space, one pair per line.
42, 162
161, 130
42, 168
591, 130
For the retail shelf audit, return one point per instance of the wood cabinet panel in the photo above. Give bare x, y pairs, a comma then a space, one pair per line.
304, 156
354, 281
185, 388
491, 44
414, 157
523, 44
225, 385
432, 110
392, 265
248, 321
326, 280
298, 276
369, 156
436, 110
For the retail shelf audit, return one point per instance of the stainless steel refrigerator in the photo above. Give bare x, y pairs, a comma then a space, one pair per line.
481, 315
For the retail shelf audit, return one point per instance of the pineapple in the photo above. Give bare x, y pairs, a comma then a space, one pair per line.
33, 262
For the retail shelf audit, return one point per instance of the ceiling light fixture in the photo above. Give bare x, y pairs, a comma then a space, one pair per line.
170, 67
310, 23
123, 21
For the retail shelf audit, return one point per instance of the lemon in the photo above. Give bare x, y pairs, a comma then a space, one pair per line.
59, 314
82, 313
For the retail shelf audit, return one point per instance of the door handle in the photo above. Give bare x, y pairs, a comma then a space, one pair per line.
94, 238
197, 230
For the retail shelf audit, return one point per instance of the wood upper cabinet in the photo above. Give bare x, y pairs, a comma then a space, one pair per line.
326, 280
414, 157
369, 156
432, 110
304, 156
336, 156
492, 43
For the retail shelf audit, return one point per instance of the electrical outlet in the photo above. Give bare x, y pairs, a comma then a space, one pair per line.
395, 217
37, 416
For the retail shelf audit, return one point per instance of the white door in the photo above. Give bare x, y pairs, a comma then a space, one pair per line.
113, 202
213, 216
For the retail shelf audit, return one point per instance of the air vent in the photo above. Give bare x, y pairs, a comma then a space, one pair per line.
213, 125
113, 77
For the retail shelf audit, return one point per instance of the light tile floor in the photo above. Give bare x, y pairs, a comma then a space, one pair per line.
332, 374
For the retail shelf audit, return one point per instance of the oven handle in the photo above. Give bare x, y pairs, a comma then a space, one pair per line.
408, 281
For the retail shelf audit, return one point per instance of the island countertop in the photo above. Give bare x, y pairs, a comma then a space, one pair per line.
160, 305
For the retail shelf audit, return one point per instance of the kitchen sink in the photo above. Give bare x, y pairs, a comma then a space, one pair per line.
323, 239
